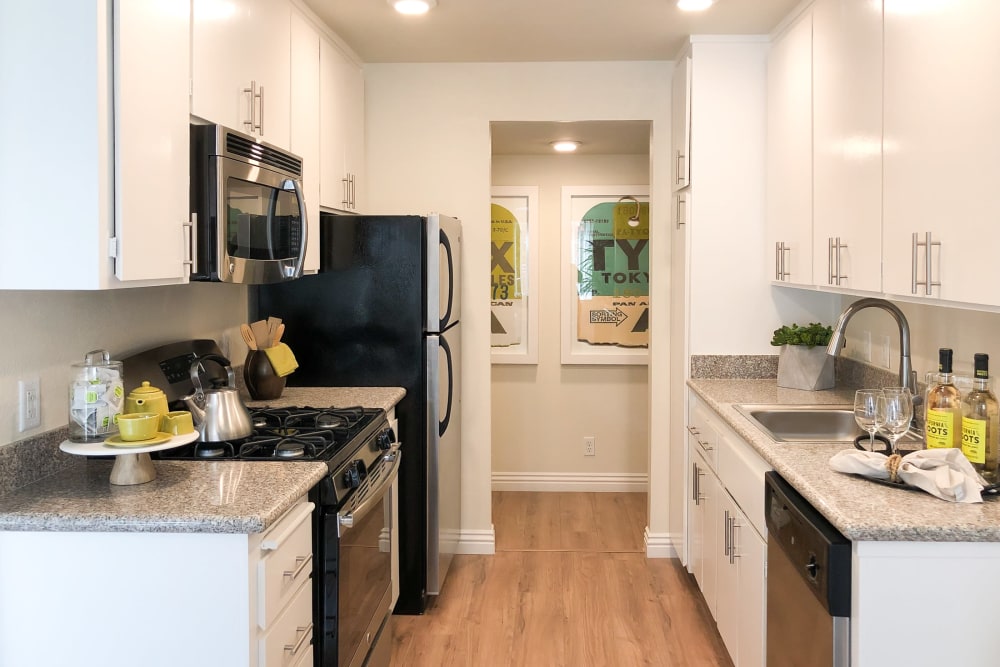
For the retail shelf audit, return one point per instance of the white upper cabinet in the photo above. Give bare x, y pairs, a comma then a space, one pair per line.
847, 144
341, 129
942, 151
680, 123
305, 126
789, 154
241, 66
94, 165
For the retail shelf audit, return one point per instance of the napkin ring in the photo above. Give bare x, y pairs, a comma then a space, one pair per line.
892, 465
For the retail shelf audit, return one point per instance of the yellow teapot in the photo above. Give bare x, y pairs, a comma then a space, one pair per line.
146, 399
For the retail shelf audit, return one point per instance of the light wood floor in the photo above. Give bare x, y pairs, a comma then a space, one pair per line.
569, 586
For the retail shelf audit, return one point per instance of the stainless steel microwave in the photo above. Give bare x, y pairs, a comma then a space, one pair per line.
248, 208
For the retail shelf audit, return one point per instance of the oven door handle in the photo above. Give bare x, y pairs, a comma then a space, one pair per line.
393, 457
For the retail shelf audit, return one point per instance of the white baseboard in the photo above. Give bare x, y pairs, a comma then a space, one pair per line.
476, 542
659, 545
572, 481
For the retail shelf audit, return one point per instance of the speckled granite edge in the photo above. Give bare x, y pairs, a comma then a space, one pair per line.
26, 461
861, 509
746, 366
849, 372
238, 497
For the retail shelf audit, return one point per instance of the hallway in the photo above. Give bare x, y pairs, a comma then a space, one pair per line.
568, 586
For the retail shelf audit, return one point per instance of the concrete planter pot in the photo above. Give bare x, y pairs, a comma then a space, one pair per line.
804, 367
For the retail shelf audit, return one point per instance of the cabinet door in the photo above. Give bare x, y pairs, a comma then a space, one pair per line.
789, 154
680, 124
152, 139
304, 138
847, 144
333, 121
751, 555
353, 98
727, 612
241, 48
942, 150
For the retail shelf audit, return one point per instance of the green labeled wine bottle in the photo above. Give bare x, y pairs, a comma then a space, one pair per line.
981, 422
944, 407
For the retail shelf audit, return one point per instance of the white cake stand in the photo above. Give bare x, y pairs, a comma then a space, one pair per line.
132, 464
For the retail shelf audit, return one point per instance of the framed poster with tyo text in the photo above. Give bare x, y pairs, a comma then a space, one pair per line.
514, 275
605, 275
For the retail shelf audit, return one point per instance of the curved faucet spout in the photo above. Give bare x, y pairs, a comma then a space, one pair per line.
907, 376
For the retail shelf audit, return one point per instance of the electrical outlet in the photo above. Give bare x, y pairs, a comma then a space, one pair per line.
29, 403
589, 445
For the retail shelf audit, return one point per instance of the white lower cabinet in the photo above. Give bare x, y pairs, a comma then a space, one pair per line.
228, 600
726, 544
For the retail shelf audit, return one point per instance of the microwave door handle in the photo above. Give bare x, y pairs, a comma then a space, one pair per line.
303, 226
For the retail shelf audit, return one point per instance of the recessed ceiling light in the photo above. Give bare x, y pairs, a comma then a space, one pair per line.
412, 6
694, 5
565, 146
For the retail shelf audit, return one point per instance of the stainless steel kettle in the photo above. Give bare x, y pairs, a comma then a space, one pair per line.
218, 413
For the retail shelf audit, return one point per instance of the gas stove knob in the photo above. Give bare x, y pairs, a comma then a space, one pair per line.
354, 474
385, 439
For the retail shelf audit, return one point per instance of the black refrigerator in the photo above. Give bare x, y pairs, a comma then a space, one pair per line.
384, 311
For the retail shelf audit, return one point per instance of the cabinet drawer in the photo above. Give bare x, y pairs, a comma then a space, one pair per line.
286, 562
703, 434
741, 471
291, 633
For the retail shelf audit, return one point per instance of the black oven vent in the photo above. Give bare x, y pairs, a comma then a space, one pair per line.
264, 154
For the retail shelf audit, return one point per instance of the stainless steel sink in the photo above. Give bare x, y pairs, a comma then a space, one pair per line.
807, 423
804, 423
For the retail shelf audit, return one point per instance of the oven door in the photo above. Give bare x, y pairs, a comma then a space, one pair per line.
359, 571
260, 224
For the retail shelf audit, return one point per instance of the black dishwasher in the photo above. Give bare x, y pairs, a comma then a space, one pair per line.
808, 582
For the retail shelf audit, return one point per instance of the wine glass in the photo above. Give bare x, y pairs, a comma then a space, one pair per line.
865, 412
895, 410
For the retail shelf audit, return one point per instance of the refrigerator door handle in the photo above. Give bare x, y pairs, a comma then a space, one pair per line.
443, 424
451, 281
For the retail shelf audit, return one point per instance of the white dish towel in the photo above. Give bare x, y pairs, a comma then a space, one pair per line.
944, 473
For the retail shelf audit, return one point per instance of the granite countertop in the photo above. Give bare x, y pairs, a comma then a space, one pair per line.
186, 496
369, 397
861, 509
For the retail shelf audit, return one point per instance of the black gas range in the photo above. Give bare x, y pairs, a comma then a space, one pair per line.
352, 523
330, 434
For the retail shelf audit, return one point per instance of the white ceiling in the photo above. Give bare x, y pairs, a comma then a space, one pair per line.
596, 137
538, 30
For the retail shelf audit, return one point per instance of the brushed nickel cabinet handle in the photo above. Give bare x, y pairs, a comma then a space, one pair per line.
305, 633
678, 178
302, 562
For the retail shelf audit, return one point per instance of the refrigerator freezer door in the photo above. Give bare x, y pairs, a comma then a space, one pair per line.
444, 454
444, 270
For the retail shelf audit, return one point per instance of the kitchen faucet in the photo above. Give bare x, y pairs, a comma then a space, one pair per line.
907, 376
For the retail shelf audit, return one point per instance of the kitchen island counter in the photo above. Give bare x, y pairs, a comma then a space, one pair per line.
186, 497
861, 509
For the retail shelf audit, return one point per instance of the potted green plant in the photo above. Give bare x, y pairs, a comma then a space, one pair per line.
803, 362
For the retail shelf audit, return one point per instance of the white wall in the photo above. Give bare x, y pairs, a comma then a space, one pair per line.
540, 413
45, 332
428, 149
